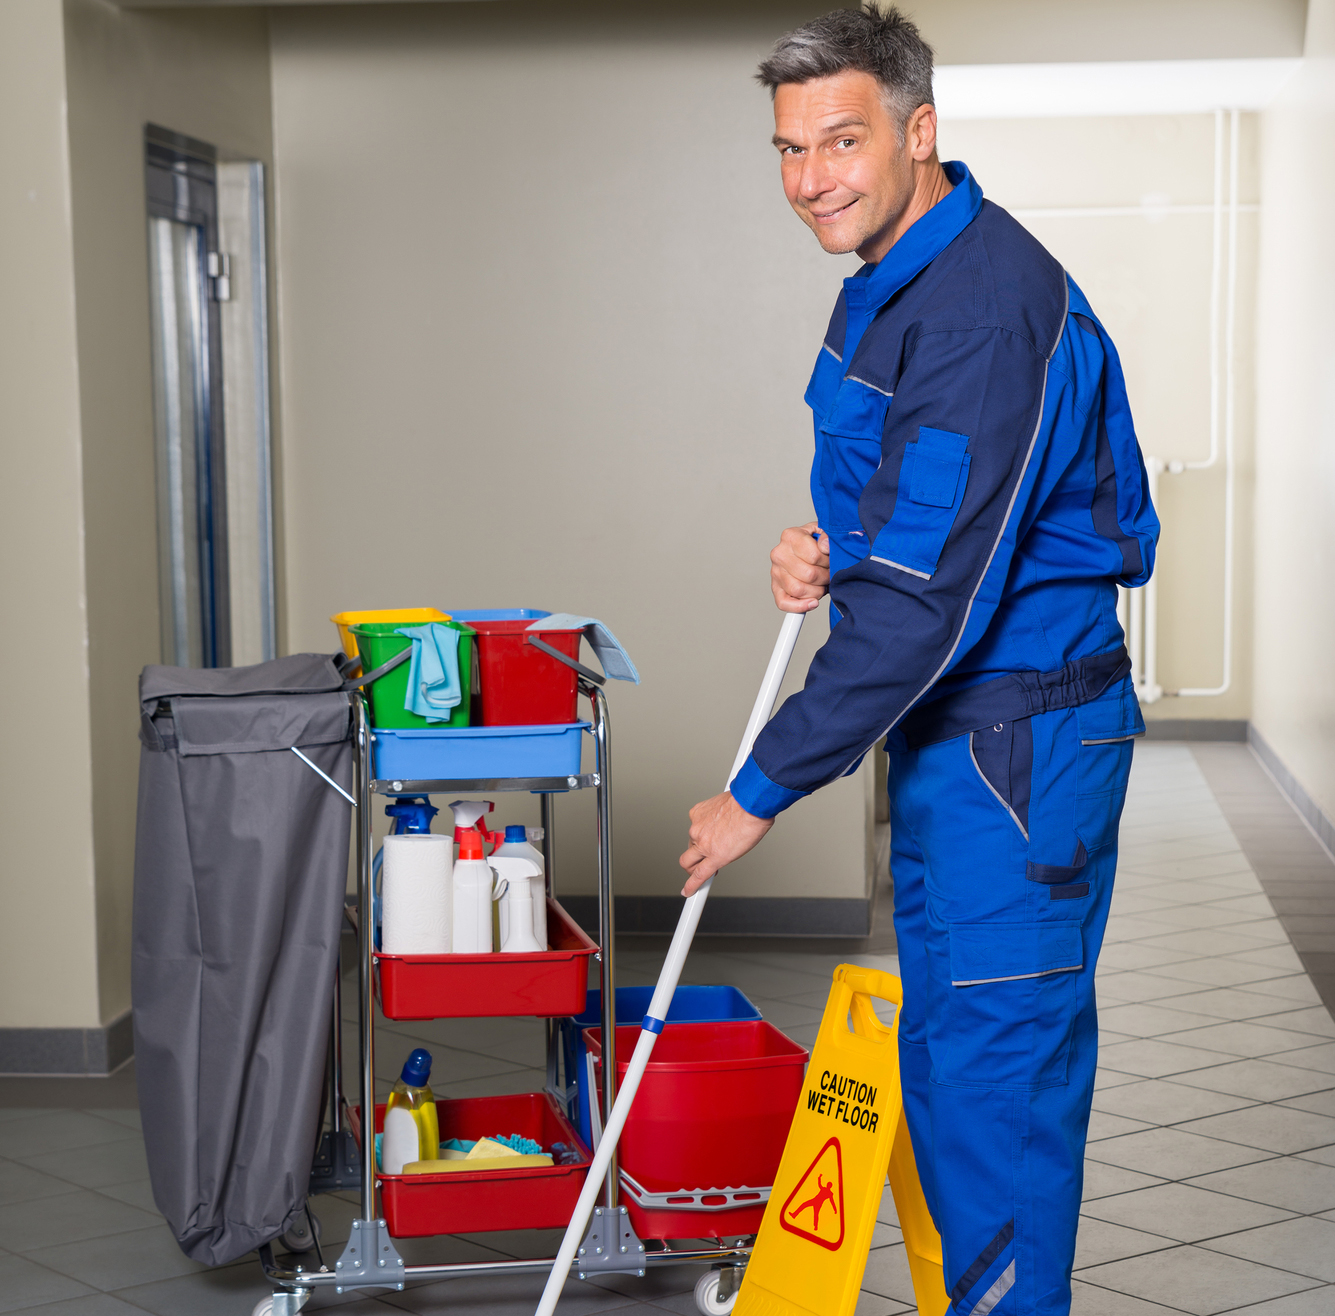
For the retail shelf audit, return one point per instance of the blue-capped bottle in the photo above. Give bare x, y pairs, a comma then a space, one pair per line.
412, 1131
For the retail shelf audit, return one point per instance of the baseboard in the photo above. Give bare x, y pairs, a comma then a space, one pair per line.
67, 1052
1197, 728
1288, 783
733, 916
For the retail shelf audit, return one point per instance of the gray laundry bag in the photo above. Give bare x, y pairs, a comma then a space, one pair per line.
241, 861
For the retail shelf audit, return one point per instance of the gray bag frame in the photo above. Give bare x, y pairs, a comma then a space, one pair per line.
241, 861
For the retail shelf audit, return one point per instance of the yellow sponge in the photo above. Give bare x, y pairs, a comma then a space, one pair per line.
488, 1149
512, 1160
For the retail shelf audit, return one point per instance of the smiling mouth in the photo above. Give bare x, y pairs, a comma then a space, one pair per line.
829, 216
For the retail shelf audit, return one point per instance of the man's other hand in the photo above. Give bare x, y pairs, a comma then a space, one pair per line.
721, 831
800, 568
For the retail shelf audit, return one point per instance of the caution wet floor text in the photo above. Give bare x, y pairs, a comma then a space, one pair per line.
847, 1131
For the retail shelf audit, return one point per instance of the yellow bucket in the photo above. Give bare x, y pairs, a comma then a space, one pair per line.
404, 616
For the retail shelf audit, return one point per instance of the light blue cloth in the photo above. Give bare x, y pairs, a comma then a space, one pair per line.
433, 671
614, 658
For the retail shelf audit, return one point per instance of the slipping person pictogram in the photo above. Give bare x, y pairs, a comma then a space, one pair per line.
821, 1186
826, 1195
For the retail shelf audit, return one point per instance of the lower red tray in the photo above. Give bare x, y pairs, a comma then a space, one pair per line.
735, 1222
547, 983
462, 1202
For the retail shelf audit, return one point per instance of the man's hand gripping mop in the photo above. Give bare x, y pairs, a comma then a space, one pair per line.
667, 985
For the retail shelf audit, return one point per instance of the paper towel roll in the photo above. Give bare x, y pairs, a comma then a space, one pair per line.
417, 895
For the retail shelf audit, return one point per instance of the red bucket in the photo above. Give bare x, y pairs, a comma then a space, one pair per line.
712, 1111
520, 685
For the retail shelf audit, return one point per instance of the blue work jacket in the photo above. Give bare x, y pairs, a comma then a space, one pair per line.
978, 475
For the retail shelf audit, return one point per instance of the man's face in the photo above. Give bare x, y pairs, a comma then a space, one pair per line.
845, 170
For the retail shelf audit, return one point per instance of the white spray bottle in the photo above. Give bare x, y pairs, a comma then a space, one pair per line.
516, 877
473, 894
518, 845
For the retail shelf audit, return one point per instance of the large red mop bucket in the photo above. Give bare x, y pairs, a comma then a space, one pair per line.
708, 1127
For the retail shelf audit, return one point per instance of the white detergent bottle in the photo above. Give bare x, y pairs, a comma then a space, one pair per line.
518, 845
518, 875
473, 894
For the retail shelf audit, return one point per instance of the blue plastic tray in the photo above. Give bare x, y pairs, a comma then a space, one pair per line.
690, 1005
473, 753
500, 614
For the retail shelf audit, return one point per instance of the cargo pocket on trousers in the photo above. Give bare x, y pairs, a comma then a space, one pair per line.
1011, 1005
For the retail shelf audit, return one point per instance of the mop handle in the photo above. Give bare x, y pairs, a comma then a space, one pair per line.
663, 992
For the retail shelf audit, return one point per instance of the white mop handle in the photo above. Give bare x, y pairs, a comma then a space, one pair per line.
663, 992
769, 688
766, 697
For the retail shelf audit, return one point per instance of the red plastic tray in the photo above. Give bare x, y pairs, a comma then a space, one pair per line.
683, 1131
545, 983
528, 1197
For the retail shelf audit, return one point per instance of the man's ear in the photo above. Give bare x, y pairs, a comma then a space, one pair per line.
920, 133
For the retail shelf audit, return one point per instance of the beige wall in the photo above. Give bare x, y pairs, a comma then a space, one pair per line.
78, 82
1148, 278
546, 321
205, 74
1295, 473
48, 935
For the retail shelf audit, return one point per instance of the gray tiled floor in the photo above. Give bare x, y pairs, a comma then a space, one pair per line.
1210, 1178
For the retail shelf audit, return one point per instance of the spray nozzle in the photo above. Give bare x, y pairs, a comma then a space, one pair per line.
467, 817
510, 867
412, 814
467, 812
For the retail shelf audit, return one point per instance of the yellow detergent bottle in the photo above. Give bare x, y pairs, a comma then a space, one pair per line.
411, 1130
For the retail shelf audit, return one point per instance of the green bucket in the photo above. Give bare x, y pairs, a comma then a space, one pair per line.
378, 643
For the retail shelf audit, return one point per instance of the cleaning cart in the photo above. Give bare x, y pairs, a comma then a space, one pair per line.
548, 986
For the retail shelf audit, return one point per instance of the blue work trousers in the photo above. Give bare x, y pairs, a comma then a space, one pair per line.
1003, 852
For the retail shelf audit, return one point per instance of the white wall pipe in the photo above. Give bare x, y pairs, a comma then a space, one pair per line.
667, 985
1216, 276
1230, 417
1144, 602
1135, 635
1149, 689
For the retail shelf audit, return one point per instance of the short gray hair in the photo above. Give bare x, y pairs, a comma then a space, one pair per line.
885, 44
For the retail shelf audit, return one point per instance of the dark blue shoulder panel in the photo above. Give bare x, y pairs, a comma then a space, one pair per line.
834, 335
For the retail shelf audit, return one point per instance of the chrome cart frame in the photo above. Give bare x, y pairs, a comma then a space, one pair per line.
370, 1260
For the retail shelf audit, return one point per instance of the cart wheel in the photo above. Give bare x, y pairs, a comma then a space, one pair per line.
707, 1299
264, 1307
299, 1239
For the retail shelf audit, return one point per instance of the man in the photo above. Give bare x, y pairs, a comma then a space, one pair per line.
979, 491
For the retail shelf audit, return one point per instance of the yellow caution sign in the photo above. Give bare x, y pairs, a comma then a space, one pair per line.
849, 1130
